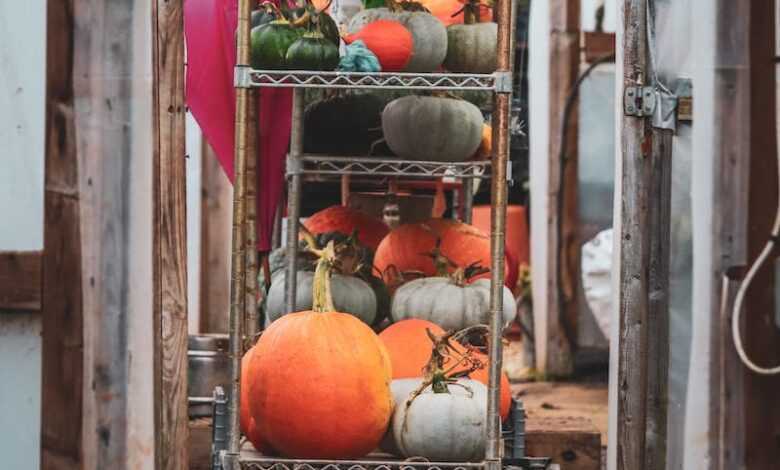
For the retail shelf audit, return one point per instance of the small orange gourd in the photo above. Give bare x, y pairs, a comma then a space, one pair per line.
389, 40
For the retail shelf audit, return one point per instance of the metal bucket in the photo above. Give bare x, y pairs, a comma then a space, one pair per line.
208, 367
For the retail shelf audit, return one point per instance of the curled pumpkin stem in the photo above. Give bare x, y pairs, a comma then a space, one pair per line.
436, 376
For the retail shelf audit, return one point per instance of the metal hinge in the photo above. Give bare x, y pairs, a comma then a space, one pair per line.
639, 101
503, 82
241, 76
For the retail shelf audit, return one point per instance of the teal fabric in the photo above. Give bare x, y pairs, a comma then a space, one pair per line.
358, 58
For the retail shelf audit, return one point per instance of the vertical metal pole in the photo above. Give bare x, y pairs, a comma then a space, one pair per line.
294, 166
250, 294
276, 237
239, 219
501, 102
518, 442
468, 199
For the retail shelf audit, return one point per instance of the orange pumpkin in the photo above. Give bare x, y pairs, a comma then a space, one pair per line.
408, 346
370, 230
482, 375
444, 9
246, 421
404, 249
389, 40
309, 373
485, 150
410, 349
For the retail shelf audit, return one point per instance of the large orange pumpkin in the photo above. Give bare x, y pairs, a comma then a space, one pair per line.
370, 230
320, 381
404, 249
444, 9
410, 349
389, 40
247, 423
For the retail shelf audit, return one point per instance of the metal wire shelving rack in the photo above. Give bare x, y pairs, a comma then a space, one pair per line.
227, 451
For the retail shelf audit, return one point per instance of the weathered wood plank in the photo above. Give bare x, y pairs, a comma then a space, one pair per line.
573, 443
659, 232
554, 349
761, 426
20, 280
216, 200
62, 314
170, 239
638, 173
731, 96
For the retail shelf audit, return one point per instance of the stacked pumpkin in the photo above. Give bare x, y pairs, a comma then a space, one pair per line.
307, 370
403, 36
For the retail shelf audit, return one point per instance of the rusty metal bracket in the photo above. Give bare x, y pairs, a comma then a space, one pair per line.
241, 76
639, 101
503, 82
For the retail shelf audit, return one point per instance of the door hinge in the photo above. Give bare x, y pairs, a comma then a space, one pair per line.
639, 101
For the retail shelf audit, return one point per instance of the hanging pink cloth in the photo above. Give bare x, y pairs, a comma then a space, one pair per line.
209, 28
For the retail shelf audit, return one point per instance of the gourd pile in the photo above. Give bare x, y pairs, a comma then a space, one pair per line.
402, 36
384, 319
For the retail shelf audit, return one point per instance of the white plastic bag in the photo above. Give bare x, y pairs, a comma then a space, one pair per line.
597, 277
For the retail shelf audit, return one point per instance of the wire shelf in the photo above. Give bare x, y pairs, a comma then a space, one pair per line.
387, 81
310, 164
257, 462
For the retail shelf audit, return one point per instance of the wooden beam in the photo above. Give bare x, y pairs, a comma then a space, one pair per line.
731, 105
170, 238
760, 429
554, 348
20, 280
62, 313
216, 202
642, 228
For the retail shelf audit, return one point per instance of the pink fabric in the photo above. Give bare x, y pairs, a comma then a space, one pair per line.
209, 28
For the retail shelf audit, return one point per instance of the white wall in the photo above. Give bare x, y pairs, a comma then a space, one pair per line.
193, 145
22, 94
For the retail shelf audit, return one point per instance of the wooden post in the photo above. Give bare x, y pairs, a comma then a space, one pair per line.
640, 352
62, 393
743, 414
554, 349
86, 261
761, 334
170, 240
217, 198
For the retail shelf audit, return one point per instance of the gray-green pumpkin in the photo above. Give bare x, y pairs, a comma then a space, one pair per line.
350, 295
444, 426
448, 303
430, 128
471, 48
428, 33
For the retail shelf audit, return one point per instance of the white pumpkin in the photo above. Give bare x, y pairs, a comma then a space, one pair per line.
428, 33
451, 306
432, 128
442, 427
350, 295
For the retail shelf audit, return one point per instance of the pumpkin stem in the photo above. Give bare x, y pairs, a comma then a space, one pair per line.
272, 6
471, 12
322, 297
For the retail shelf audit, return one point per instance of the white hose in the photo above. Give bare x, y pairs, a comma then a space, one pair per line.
739, 299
